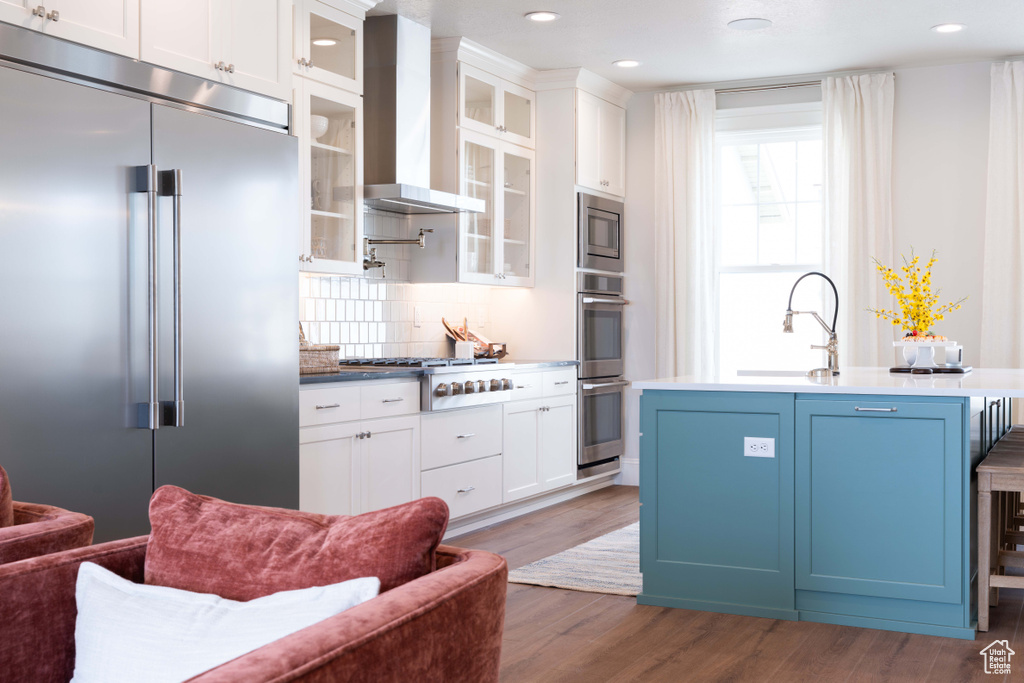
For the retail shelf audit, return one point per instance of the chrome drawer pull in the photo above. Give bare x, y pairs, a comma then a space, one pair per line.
467, 489
558, 384
392, 400
465, 436
333, 405
524, 386
874, 410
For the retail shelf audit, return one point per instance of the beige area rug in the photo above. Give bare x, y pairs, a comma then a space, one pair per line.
608, 564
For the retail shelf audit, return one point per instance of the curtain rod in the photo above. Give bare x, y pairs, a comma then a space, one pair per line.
758, 88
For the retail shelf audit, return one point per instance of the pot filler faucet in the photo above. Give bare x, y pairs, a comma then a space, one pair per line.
833, 342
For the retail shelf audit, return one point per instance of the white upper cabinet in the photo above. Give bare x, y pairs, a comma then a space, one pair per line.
600, 144
329, 125
496, 107
111, 25
244, 43
497, 246
328, 45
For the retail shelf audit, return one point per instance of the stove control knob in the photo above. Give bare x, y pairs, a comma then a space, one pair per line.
506, 385
442, 390
481, 386
495, 385
456, 388
470, 387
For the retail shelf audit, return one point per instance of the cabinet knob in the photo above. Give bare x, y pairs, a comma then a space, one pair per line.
219, 66
470, 387
495, 385
442, 390
456, 388
506, 385
231, 68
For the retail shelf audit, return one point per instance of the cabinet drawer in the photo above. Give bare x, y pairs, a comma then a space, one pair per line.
468, 487
460, 435
385, 400
527, 385
322, 406
559, 382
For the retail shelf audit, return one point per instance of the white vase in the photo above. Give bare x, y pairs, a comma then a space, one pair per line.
317, 126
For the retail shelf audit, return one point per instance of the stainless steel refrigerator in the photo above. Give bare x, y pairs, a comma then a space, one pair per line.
148, 288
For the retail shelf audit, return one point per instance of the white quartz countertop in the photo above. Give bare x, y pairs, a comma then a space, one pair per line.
978, 382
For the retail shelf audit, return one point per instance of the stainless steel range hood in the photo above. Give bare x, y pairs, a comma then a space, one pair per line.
396, 100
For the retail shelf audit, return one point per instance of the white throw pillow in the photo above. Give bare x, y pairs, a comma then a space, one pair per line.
131, 632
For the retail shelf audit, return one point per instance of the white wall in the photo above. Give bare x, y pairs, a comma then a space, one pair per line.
940, 152
639, 286
940, 158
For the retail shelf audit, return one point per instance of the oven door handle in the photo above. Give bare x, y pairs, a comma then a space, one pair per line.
599, 300
621, 383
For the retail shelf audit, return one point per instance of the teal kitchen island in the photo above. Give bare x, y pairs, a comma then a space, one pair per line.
848, 500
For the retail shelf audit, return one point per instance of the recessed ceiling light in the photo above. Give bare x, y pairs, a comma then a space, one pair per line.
751, 24
626, 63
542, 16
325, 42
948, 28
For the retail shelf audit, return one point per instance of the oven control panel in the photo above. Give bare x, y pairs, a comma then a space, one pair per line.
442, 390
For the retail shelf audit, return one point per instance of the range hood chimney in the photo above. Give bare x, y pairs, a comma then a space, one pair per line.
396, 98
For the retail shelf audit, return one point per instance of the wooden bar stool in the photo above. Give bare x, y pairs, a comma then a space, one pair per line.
1001, 473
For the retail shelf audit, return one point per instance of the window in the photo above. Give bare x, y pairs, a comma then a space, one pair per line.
770, 231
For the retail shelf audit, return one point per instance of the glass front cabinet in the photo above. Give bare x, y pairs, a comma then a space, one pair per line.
328, 45
493, 106
496, 246
329, 125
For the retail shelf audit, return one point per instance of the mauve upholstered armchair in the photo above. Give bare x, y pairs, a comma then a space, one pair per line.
29, 530
444, 626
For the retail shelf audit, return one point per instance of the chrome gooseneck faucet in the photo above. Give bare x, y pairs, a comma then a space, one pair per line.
833, 342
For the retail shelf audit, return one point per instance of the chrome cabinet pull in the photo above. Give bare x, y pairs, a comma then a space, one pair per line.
53, 16
467, 489
41, 12
170, 186
558, 384
466, 436
369, 435
524, 386
149, 412
231, 68
874, 410
332, 405
393, 400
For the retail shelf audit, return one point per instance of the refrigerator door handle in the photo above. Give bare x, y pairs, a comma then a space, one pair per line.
170, 186
149, 412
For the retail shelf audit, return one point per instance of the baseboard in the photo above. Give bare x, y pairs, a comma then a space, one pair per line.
629, 473
504, 513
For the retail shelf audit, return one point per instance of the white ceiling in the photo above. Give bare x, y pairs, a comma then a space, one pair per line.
686, 41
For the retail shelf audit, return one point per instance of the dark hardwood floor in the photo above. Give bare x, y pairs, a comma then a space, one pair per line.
562, 635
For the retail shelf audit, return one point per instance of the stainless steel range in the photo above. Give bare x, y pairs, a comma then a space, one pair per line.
450, 383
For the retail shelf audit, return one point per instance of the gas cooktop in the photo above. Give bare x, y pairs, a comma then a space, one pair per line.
416, 362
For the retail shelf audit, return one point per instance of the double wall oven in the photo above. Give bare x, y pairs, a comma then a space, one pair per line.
601, 384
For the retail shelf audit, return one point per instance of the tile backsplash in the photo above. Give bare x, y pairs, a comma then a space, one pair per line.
381, 316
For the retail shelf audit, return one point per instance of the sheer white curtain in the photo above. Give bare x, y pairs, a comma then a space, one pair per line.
684, 233
1002, 305
857, 132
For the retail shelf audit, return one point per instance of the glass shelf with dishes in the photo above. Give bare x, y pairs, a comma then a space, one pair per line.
329, 122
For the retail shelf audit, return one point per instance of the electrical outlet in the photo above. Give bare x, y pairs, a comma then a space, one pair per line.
417, 317
756, 447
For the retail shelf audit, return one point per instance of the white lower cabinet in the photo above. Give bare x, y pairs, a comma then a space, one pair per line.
467, 487
539, 446
355, 467
388, 464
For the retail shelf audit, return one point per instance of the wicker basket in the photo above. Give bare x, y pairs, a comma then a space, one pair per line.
317, 359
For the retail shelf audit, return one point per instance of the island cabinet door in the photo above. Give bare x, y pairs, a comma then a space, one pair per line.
879, 499
716, 516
